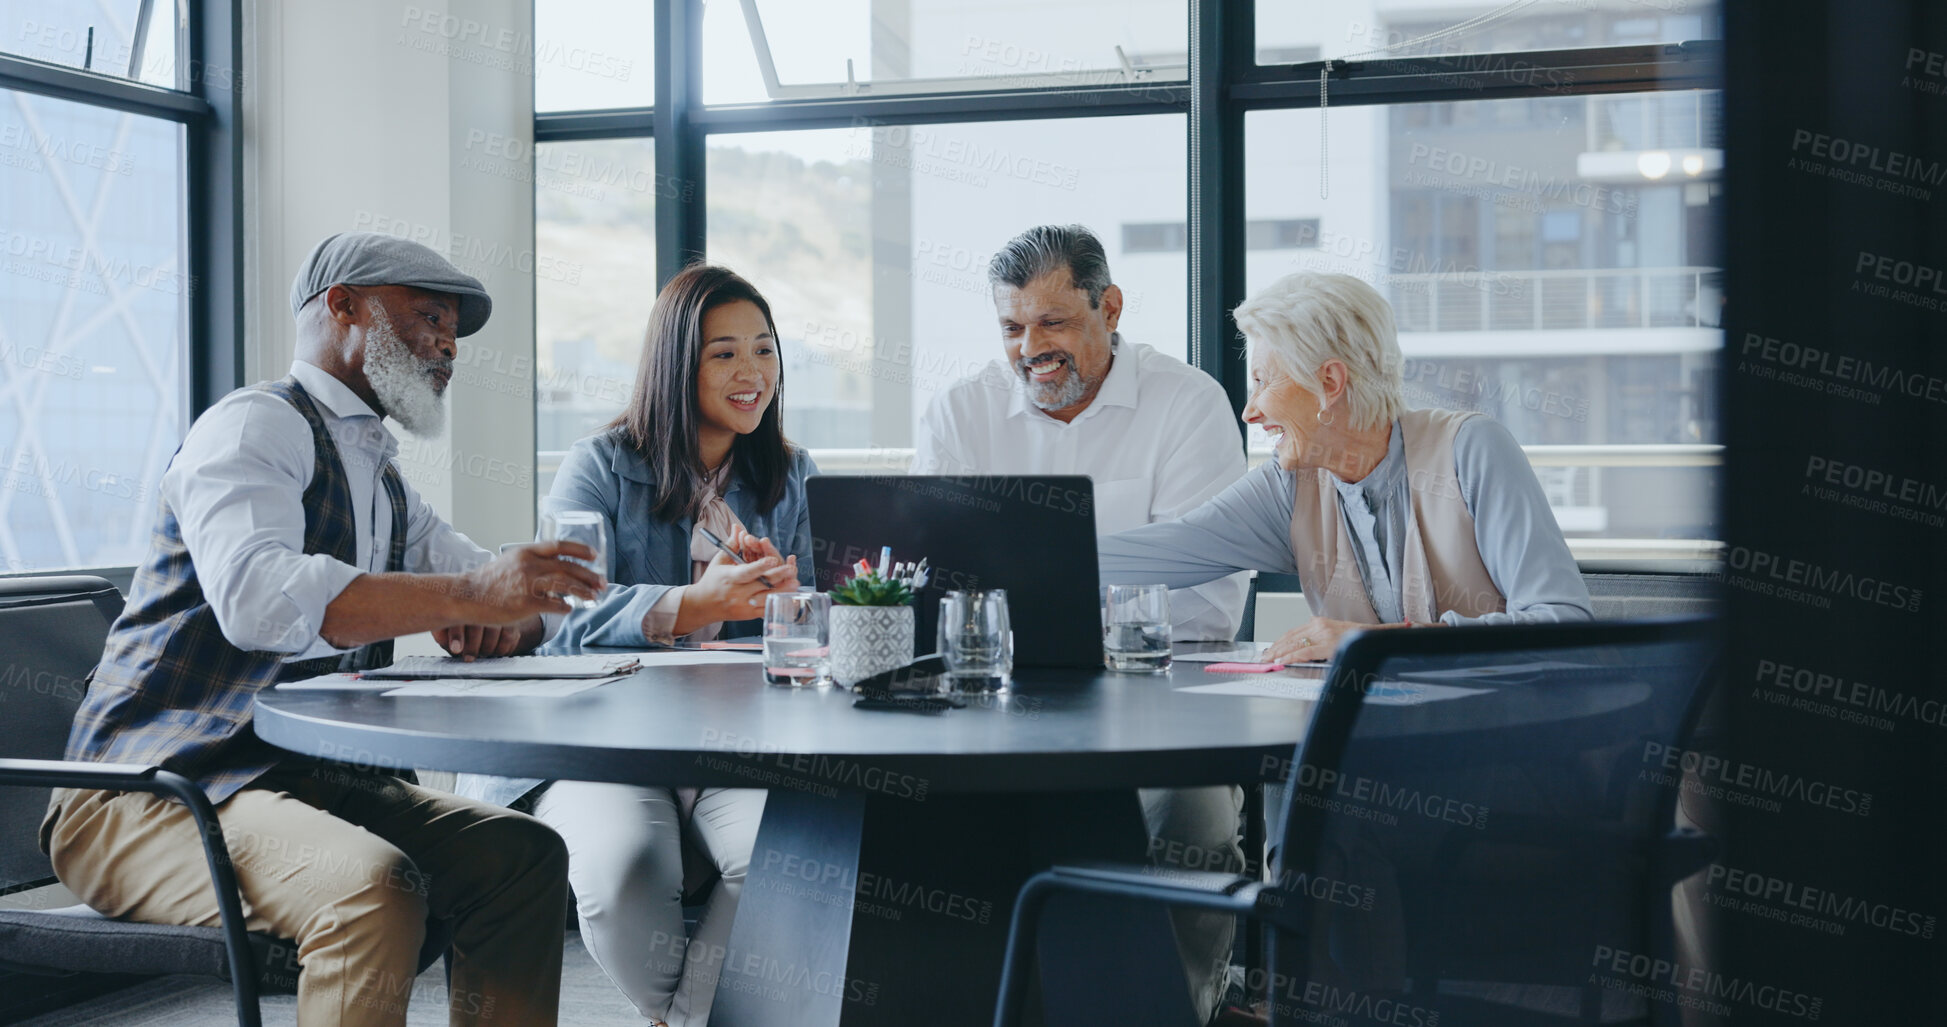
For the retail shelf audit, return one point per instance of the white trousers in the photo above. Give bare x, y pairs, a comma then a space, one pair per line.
625, 861
1196, 829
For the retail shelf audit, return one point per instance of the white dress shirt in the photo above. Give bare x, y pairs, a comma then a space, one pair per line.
237, 487
1159, 440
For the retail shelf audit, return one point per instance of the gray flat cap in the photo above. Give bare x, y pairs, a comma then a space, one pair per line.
374, 258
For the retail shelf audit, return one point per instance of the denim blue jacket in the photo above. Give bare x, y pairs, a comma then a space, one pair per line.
646, 556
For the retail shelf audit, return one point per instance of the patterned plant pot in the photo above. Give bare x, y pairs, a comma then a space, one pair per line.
869, 639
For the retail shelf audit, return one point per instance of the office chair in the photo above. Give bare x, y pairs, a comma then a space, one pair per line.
52, 631
1459, 859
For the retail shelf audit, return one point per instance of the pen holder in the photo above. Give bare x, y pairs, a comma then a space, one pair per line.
869, 639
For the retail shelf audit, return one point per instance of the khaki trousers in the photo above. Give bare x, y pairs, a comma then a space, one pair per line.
349, 865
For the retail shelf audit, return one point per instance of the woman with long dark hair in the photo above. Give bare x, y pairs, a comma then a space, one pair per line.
699, 446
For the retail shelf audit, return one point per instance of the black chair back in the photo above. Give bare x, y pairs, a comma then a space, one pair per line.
52, 631
1481, 856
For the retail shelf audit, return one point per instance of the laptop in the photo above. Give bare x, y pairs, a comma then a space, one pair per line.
1033, 535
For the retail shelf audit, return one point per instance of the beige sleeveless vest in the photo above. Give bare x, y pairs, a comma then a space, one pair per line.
1443, 569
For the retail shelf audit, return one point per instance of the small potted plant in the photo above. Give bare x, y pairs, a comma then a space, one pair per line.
872, 626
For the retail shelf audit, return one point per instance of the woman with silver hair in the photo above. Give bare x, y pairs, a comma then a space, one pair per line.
1390, 517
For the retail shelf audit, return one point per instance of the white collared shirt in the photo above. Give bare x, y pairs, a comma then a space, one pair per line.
1159, 439
237, 488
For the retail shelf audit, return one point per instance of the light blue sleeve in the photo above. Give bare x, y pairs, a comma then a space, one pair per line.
1245, 527
586, 482
799, 543
1516, 532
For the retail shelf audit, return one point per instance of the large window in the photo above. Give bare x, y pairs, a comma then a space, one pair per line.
96, 288
1551, 252
1383, 30
590, 55
872, 245
106, 37
788, 49
1551, 262
595, 246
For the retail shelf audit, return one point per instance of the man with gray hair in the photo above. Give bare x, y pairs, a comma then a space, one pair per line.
1157, 436
287, 545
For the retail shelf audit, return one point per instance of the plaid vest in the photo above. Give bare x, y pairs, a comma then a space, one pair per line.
170, 689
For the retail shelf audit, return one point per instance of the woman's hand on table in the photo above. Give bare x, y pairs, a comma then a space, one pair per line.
1315, 640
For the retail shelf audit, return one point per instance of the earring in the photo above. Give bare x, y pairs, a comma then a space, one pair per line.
1322, 421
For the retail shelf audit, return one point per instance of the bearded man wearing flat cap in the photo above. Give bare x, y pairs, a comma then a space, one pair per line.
287, 545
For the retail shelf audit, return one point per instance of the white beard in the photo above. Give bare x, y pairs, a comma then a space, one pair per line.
402, 381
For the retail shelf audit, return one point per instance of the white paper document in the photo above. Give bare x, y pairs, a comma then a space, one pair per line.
522, 667
1309, 689
1550, 667
351, 682
501, 688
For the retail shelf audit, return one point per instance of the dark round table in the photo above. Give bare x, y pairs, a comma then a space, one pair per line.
892, 843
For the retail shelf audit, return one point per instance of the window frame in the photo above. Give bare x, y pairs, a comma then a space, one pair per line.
1225, 82
209, 109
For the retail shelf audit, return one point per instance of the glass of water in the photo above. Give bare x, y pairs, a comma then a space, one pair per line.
797, 638
1136, 629
586, 527
976, 640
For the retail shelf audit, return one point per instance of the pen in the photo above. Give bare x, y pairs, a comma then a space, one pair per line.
712, 538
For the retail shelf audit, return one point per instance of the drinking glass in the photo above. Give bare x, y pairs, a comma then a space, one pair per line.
1136, 629
586, 527
797, 638
976, 641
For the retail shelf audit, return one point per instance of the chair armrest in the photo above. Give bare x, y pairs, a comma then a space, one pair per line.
1164, 884
128, 777
135, 777
1224, 893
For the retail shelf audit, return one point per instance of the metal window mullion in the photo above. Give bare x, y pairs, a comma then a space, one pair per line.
679, 139
1523, 74
1221, 36
39, 77
576, 126
214, 170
